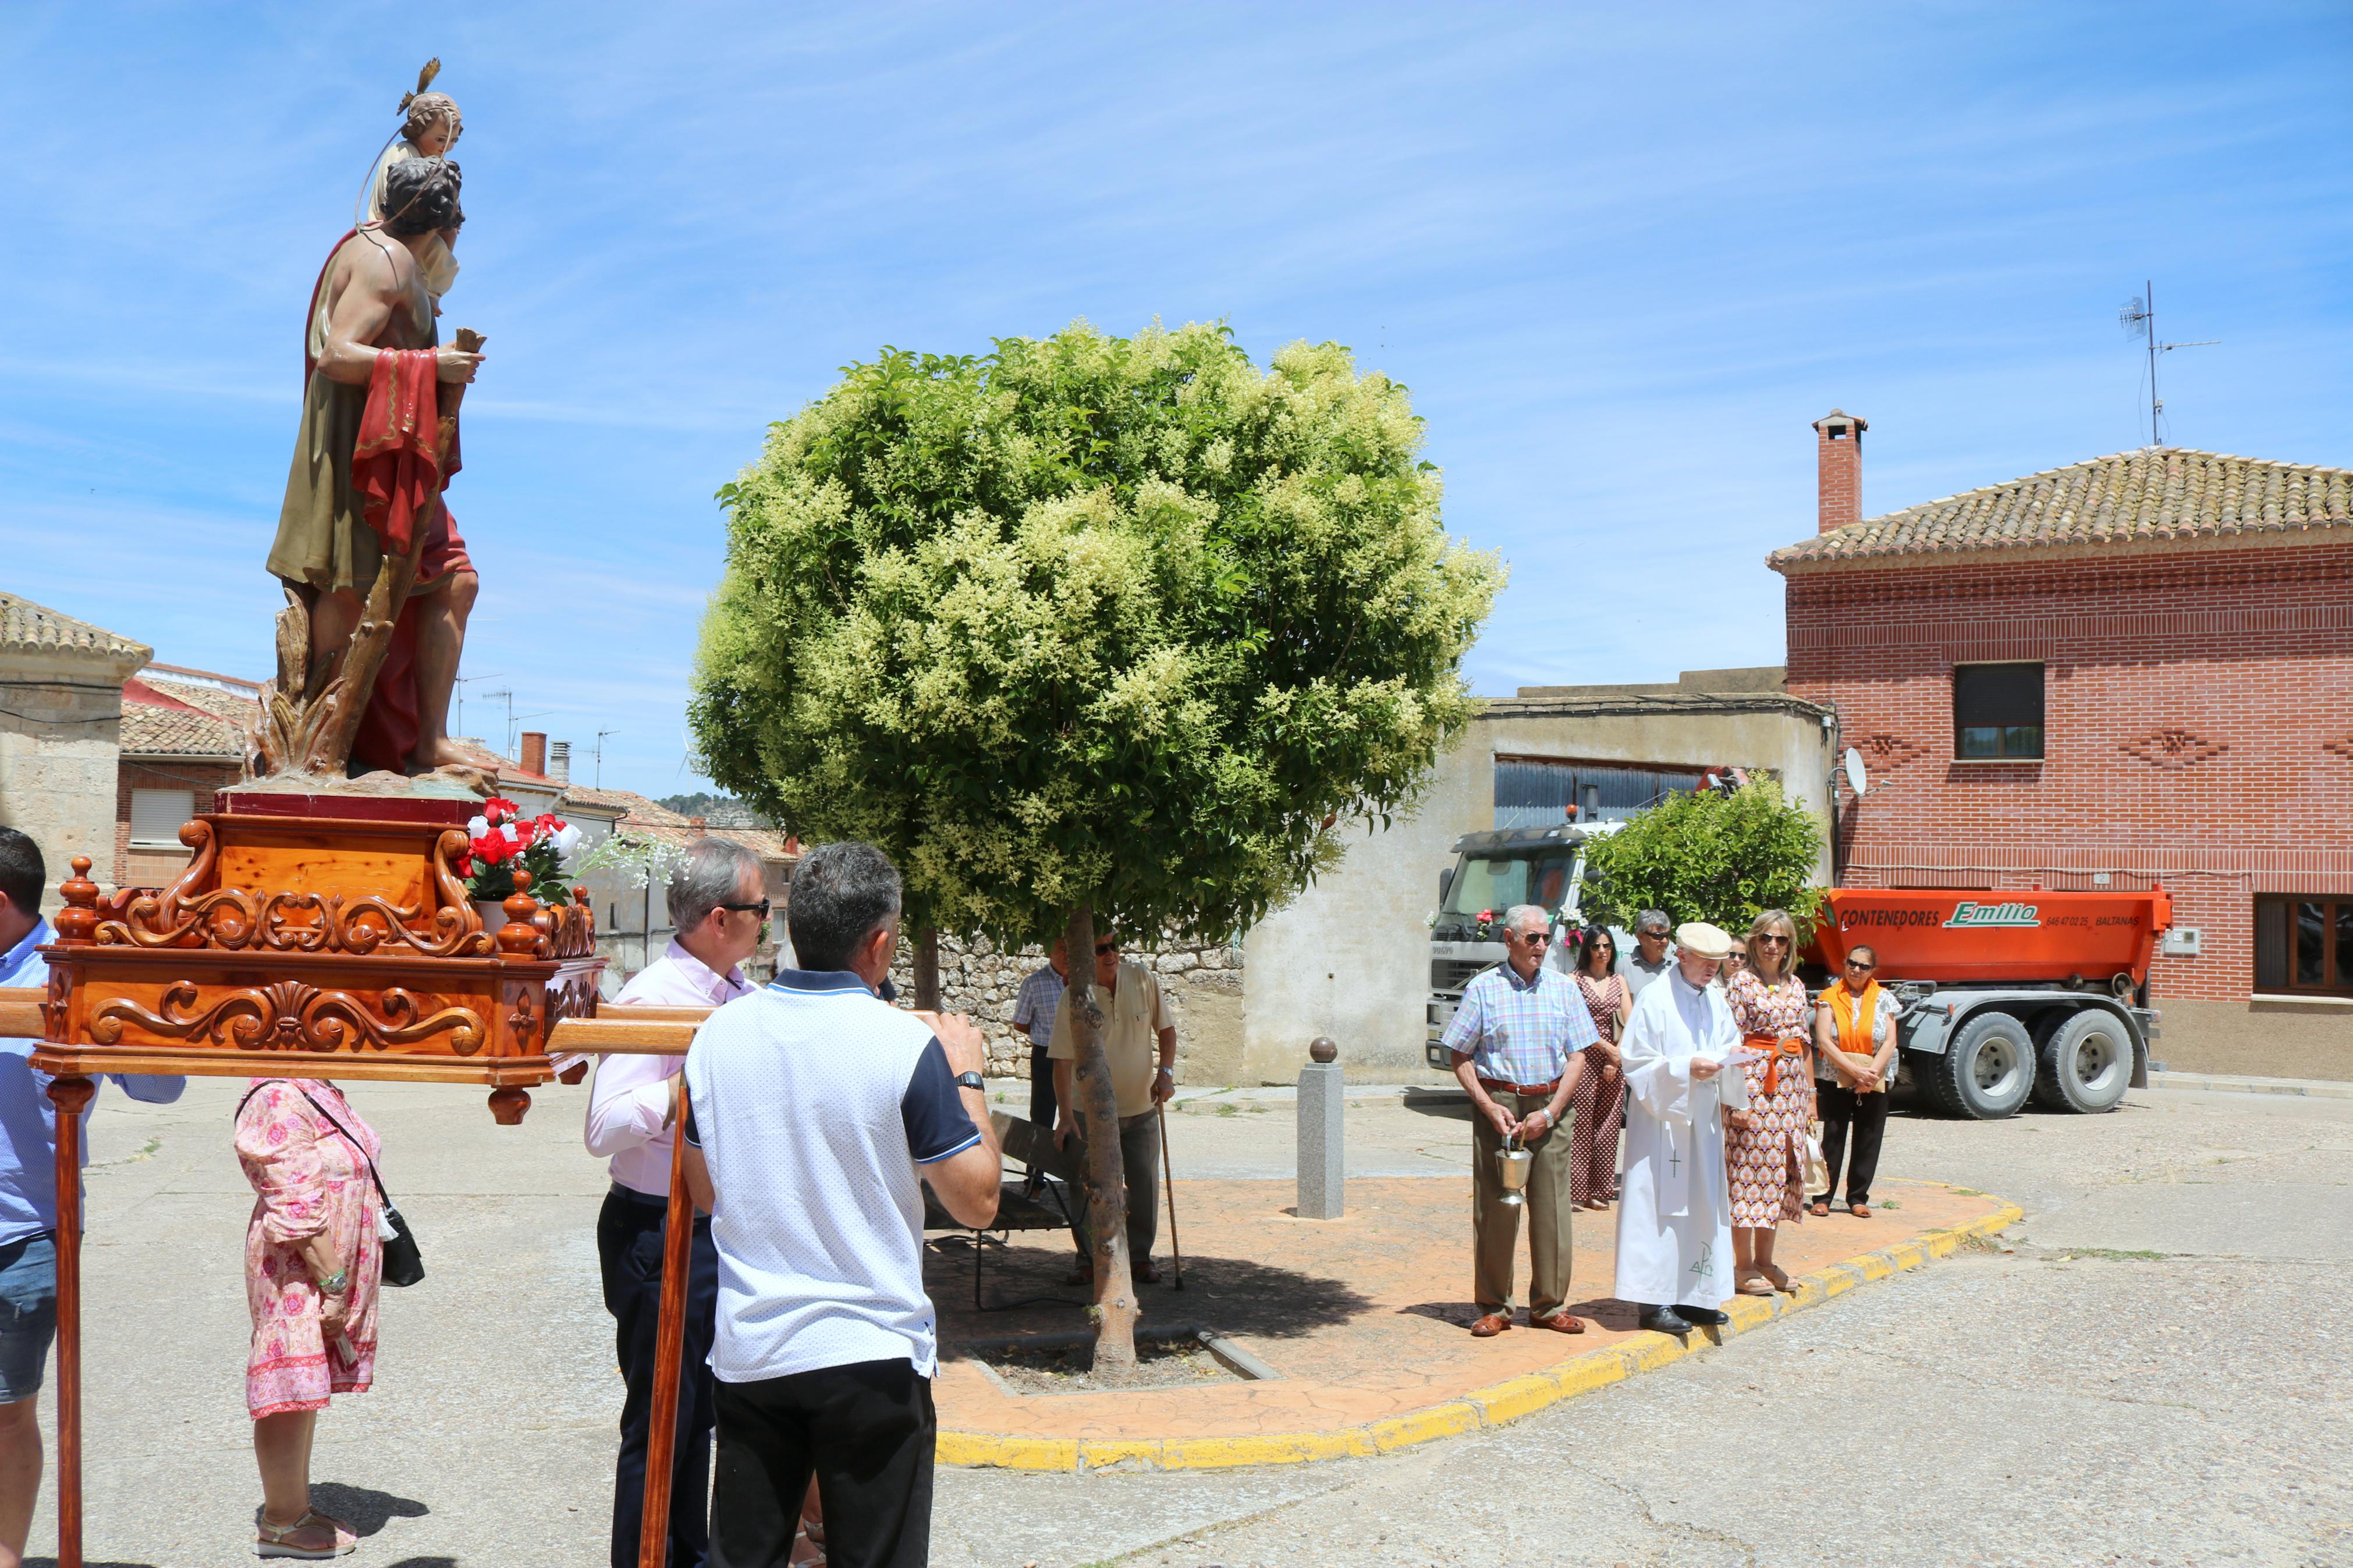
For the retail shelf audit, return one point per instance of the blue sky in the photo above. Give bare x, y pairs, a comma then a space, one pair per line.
1621, 255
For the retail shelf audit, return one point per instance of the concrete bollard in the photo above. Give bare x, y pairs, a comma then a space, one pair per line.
1322, 1166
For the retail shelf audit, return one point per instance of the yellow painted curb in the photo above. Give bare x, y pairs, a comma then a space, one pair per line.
1494, 1405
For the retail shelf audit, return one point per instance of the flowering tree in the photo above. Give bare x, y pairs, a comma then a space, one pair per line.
1091, 628
1710, 856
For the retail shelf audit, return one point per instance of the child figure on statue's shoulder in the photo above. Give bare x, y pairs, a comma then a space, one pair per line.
432, 127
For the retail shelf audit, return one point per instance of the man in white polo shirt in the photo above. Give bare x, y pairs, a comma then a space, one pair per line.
815, 1111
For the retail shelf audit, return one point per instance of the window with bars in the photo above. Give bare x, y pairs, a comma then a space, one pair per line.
1537, 792
1996, 712
2303, 943
156, 816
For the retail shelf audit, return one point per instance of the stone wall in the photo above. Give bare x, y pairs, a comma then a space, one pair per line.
1203, 985
60, 738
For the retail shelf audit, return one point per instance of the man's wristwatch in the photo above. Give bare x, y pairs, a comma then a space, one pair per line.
972, 1080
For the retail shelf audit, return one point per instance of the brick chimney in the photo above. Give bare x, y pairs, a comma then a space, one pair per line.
1839, 452
535, 752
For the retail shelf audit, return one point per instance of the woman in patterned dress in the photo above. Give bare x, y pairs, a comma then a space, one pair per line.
312, 1265
1766, 1149
1600, 1090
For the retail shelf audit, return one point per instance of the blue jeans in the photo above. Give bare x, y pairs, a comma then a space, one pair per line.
29, 1313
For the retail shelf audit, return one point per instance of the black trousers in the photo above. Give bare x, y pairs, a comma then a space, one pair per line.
866, 1430
629, 1253
1866, 1114
1041, 1089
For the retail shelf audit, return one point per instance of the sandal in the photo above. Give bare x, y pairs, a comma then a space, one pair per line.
1860, 1211
1819, 1208
1776, 1273
291, 1539
1748, 1286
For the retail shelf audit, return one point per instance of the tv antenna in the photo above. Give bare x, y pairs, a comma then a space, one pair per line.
600, 756
2138, 318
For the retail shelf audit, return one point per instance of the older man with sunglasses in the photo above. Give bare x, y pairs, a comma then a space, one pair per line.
718, 904
1516, 1041
1139, 1040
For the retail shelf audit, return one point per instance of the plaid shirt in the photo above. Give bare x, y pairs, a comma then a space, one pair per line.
1034, 1005
1520, 1031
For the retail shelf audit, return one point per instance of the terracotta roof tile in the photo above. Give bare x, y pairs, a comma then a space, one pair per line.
24, 624
150, 730
2156, 495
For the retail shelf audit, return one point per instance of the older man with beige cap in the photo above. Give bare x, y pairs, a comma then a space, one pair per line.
1674, 1224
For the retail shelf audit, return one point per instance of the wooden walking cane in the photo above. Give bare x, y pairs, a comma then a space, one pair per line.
669, 1352
1168, 1170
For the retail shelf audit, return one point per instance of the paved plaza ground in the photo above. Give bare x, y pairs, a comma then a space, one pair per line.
2153, 1373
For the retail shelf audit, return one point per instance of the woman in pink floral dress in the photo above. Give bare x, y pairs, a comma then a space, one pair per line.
1766, 1148
312, 1266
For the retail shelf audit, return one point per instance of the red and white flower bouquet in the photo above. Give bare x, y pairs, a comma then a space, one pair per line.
501, 838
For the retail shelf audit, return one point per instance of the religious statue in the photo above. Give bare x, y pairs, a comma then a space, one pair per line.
378, 584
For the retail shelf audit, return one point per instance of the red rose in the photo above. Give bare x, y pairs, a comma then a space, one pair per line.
493, 849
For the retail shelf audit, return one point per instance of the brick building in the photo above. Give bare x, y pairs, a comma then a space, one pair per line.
2133, 670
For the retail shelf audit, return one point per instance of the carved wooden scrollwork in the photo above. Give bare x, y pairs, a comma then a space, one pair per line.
237, 921
289, 1015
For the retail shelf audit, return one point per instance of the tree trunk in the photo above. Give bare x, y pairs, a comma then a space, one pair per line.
1115, 1309
927, 969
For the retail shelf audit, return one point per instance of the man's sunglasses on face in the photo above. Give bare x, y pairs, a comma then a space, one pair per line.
1858, 963
1533, 938
1103, 947
761, 909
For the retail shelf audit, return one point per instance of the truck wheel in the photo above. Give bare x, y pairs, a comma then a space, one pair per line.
2086, 1064
1988, 1071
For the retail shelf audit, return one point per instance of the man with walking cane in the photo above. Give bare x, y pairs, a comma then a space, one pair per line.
1137, 1019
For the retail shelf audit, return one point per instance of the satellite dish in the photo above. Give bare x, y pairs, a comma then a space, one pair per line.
1857, 777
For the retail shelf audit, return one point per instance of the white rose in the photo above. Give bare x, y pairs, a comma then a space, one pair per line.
509, 829
477, 826
567, 840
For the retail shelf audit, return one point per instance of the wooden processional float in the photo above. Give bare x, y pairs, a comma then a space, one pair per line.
324, 936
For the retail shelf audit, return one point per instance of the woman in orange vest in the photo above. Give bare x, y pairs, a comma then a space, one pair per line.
1854, 1053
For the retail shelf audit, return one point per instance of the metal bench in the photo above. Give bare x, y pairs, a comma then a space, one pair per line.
1022, 1142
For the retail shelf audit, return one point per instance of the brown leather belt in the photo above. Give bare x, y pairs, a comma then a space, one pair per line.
1491, 1087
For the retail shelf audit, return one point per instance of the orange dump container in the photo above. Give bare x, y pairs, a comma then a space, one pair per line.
1952, 937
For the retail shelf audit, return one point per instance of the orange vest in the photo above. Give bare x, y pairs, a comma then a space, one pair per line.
1856, 1017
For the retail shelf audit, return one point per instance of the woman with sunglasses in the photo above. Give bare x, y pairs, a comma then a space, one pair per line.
1600, 1092
1854, 1050
1765, 1151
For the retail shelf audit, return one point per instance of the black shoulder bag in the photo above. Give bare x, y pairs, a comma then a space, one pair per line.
403, 1264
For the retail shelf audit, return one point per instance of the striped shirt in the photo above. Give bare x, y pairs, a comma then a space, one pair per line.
1520, 1031
1034, 1005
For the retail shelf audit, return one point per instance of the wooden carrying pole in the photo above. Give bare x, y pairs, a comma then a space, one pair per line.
670, 1355
72, 1096
654, 1031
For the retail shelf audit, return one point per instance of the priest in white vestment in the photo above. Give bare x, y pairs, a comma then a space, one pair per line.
1674, 1221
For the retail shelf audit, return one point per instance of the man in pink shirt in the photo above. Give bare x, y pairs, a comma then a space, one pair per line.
717, 905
